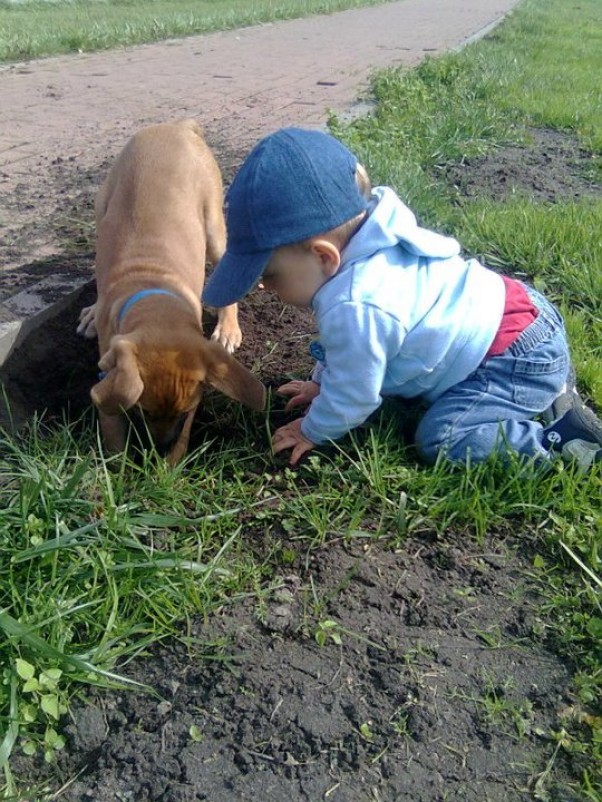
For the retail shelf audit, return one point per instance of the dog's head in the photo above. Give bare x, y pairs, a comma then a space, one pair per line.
166, 383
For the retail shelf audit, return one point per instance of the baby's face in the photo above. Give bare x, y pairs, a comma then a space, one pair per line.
295, 273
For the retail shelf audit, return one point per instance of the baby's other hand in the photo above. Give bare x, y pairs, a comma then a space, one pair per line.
290, 436
301, 393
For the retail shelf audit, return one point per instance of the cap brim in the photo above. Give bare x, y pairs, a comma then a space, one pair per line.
233, 277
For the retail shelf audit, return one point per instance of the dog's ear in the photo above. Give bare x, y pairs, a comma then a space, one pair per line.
227, 375
122, 386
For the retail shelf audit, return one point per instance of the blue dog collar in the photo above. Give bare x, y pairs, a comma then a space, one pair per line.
138, 296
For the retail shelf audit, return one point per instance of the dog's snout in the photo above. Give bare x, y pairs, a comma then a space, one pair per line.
165, 440
162, 449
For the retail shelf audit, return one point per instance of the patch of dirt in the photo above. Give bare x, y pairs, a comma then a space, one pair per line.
412, 705
440, 687
550, 166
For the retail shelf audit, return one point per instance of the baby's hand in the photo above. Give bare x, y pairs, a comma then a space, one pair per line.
290, 436
301, 393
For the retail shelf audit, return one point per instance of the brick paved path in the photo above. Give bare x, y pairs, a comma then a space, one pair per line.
247, 81
72, 112
240, 83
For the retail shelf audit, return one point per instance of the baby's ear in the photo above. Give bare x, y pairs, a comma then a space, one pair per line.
329, 256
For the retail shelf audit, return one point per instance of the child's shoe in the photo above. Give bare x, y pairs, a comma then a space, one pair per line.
577, 435
583, 453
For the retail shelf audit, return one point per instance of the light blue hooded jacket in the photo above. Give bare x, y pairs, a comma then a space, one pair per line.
405, 315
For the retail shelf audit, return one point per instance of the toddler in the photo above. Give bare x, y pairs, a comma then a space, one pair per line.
400, 312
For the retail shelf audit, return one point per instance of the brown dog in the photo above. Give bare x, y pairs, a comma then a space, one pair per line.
159, 214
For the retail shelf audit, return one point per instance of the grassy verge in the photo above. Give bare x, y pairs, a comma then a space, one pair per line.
35, 28
98, 563
467, 104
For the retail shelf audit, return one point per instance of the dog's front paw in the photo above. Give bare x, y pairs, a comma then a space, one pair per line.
87, 322
228, 336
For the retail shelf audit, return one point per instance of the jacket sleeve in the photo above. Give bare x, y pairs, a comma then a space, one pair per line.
358, 340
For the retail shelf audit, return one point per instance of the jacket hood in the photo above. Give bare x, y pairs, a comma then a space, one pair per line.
391, 223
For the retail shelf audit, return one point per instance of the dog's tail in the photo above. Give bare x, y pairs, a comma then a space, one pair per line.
193, 126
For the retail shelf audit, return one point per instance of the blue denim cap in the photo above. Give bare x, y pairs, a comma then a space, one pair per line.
294, 184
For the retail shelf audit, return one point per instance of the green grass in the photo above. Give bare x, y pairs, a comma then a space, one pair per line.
99, 558
470, 103
36, 28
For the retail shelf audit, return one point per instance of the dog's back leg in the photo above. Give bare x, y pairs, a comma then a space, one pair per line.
227, 332
215, 233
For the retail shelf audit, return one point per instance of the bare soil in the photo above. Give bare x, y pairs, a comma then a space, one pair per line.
442, 687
